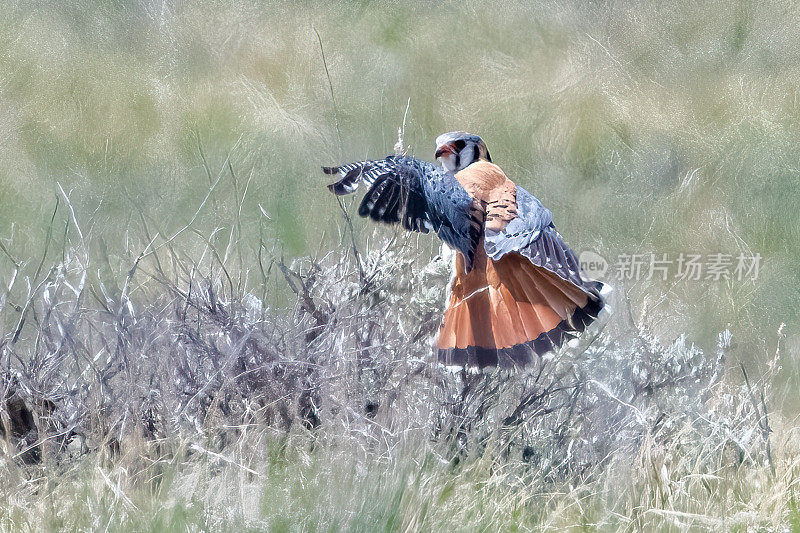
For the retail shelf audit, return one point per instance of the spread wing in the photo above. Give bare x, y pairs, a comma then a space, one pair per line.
533, 235
417, 195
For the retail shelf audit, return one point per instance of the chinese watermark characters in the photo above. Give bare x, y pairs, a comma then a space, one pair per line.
679, 266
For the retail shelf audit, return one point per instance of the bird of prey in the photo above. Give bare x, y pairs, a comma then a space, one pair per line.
517, 290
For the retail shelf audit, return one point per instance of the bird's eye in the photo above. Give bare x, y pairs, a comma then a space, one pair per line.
459, 144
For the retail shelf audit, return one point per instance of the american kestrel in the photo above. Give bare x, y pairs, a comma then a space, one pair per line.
517, 289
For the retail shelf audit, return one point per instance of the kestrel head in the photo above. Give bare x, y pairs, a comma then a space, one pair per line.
457, 150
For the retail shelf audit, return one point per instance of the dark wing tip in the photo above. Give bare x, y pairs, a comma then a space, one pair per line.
468, 260
346, 184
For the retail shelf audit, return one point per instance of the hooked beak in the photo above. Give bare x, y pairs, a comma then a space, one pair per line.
443, 149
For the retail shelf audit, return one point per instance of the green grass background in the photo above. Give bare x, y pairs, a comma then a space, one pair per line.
660, 127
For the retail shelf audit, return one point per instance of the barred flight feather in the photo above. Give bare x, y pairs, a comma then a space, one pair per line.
414, 193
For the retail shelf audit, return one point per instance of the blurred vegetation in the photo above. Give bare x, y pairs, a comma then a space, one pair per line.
645, 127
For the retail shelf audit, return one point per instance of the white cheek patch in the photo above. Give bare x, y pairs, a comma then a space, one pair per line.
448, 162
467, 155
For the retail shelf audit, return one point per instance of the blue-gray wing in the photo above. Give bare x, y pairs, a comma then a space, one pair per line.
415, 194
533, 235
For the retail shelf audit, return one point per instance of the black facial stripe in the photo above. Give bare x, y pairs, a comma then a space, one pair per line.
458, 159
475, 153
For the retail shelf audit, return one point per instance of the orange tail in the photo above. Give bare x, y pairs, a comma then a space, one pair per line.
504, 313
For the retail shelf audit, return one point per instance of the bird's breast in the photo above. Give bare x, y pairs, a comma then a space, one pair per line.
488, 185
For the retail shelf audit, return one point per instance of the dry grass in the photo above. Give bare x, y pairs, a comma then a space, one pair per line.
174, 399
